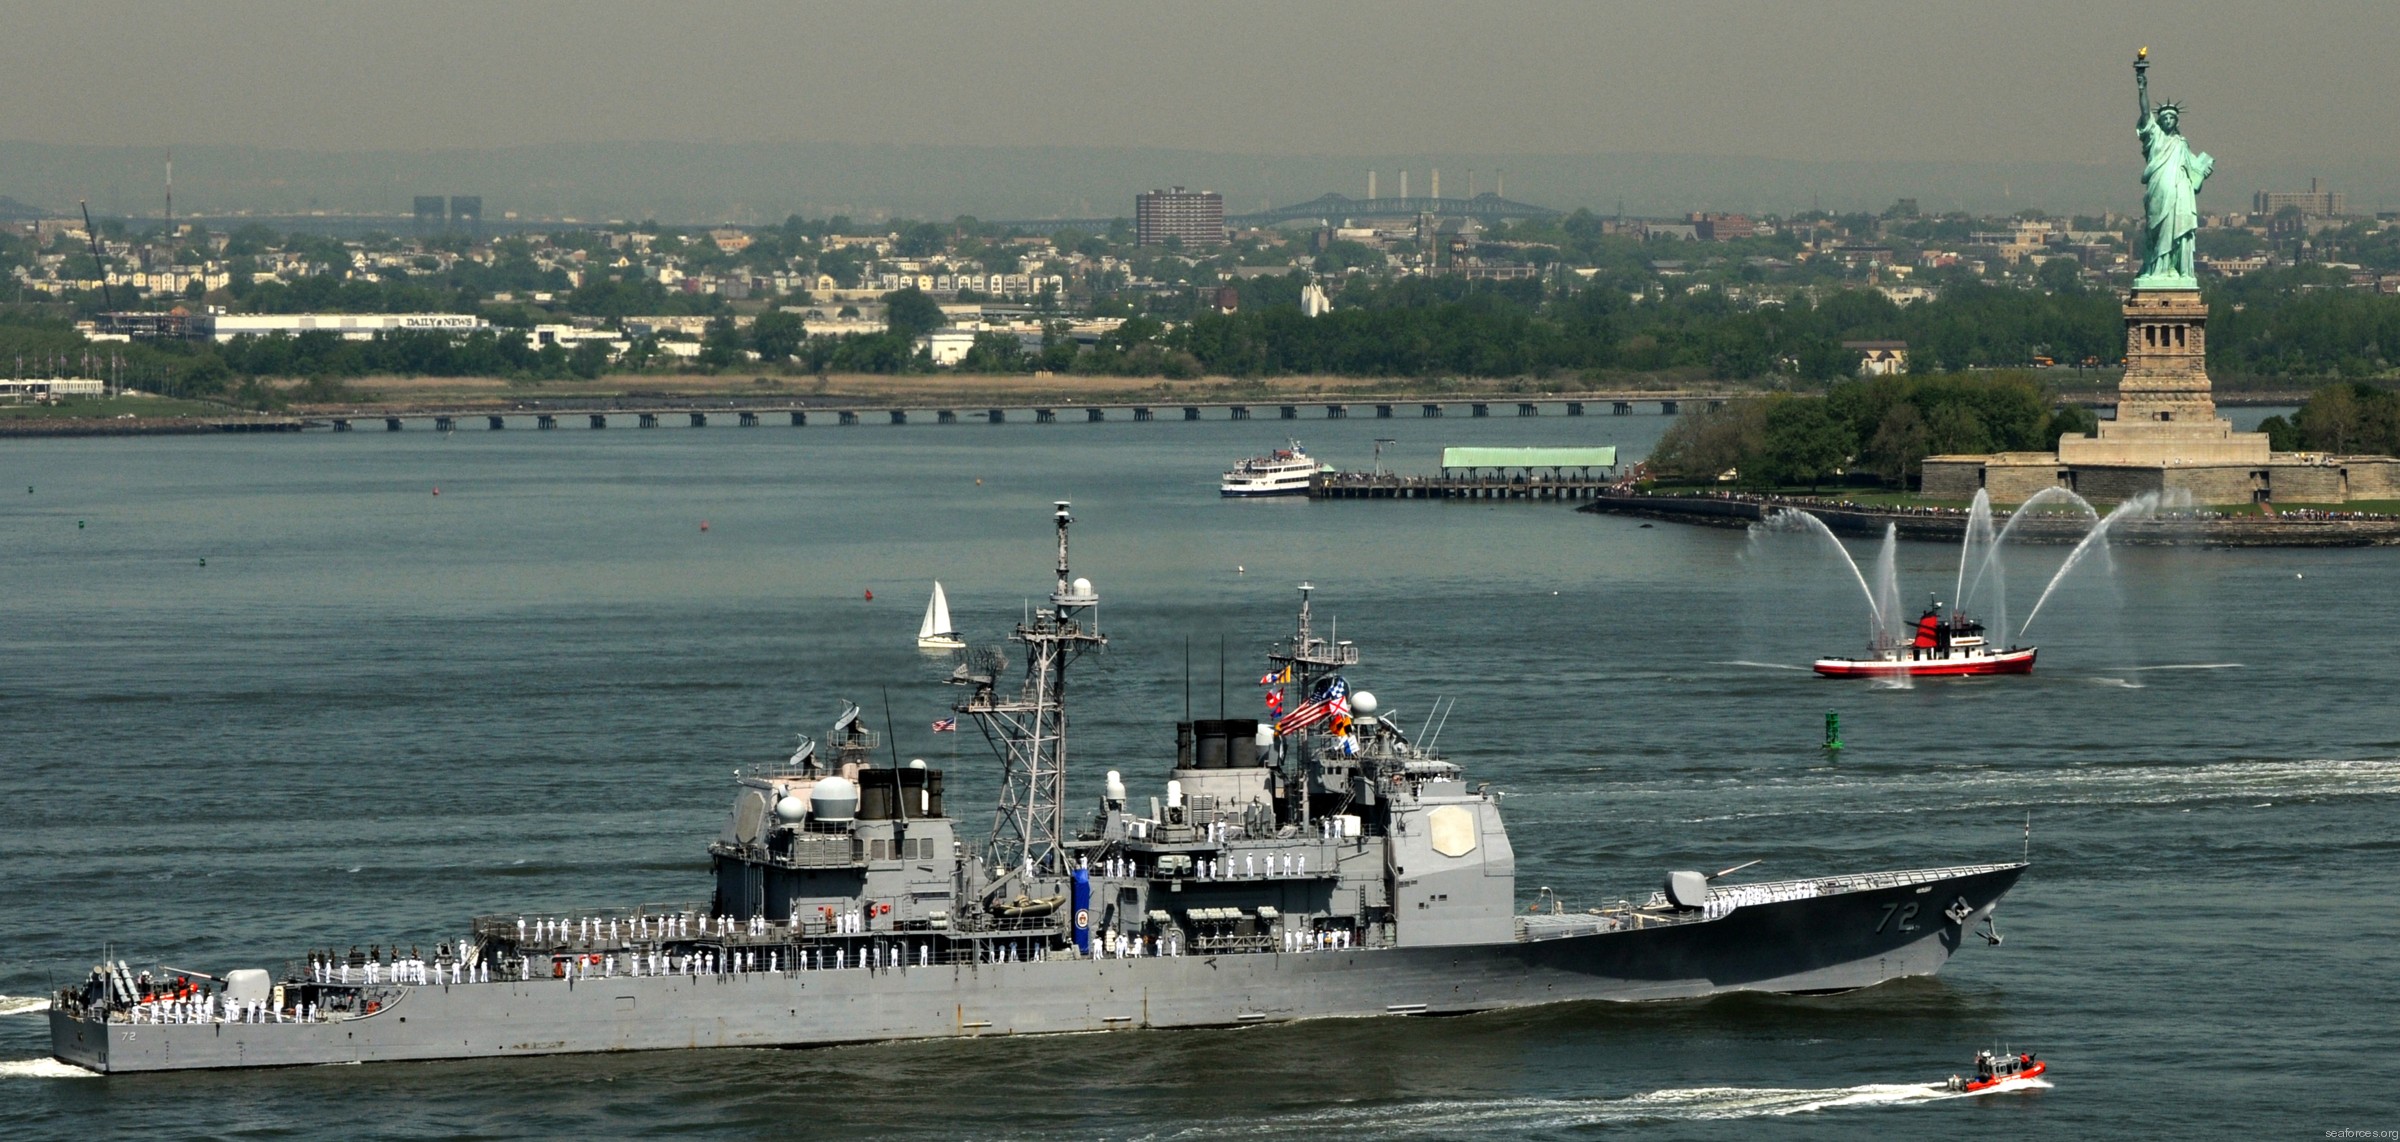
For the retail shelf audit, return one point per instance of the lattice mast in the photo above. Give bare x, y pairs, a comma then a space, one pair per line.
1029, 731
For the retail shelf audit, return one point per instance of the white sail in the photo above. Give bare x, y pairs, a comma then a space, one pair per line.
937, 615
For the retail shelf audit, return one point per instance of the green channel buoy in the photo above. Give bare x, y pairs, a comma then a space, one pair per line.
79, 525
1833, 731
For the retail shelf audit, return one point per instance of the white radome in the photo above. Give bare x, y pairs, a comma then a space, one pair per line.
1083, 586
1362, 702
790, 809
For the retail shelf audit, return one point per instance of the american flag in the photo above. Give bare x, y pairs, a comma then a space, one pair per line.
1330, 697
946, 726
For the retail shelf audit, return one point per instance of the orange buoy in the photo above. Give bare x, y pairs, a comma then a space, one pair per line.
437, 491
870, 596
704, 525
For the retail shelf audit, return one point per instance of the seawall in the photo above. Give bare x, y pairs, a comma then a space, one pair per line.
1949, 525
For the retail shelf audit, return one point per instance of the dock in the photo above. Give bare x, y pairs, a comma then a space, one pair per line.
1484, 473
1368, 486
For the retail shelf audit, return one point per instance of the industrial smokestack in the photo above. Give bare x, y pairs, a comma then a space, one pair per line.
1404, 182
1437, 182
1370, 186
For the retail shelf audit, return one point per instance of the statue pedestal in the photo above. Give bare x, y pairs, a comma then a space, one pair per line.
2165, 411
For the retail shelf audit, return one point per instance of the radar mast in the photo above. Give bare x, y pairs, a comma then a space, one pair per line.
1029, 731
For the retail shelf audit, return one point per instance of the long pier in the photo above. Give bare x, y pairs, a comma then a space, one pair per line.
804, 414
1467, 486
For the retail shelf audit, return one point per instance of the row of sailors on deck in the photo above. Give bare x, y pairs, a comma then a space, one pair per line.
1221, 868
1326, 940
409, 969
595, 929
736, 962
214, 1009
1114, 945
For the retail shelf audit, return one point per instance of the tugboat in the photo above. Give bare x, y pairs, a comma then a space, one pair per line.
1943, 646
1997, 1072
1322, 865
1283, 472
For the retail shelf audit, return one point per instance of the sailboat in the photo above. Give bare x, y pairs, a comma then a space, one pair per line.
935, 632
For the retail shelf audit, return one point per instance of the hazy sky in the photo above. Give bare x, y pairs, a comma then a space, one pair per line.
2287, 83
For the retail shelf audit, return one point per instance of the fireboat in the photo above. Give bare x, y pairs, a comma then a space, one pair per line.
1943, 646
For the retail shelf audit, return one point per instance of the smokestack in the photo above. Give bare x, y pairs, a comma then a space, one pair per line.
1370, 186
1404, 182
170, 199
1470, 182
1500, 187
1437, 182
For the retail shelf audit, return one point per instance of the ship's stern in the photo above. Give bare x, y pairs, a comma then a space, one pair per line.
79, 1040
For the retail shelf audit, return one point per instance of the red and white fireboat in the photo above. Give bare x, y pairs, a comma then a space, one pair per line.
1943, 646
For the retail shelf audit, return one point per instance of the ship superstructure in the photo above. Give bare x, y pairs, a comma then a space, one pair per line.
1318, 863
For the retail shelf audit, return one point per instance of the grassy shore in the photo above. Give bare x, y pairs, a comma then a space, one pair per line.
114, 408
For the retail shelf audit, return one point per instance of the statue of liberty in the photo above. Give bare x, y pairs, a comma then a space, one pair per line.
2172, 173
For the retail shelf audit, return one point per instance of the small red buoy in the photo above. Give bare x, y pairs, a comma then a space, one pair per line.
437, 491
870, 596
704, 525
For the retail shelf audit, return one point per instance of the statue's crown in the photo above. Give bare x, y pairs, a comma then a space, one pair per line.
2173, 106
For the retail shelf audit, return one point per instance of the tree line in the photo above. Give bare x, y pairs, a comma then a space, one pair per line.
1879, 428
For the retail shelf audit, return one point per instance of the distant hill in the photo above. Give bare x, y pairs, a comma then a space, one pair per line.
11, 209
700, 182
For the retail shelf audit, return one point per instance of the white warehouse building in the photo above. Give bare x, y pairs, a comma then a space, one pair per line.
351, 326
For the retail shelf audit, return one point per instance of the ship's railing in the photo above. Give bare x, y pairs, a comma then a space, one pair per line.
1047, 922
1869, 881
1724, 898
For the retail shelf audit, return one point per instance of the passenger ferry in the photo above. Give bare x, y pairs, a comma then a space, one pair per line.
1943, 646
1283, 472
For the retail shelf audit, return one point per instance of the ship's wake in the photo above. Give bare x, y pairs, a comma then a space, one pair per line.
44, 1068
22, 1005
1451, 1118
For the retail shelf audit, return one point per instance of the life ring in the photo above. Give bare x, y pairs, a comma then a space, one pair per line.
883, 909
558, 969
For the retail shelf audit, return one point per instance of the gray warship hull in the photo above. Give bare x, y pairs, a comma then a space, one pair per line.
1847, 933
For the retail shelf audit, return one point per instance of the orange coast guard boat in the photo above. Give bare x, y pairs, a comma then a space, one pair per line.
1942, 646
1995, 1072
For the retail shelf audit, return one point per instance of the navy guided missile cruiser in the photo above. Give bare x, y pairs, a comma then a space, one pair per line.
1320, 863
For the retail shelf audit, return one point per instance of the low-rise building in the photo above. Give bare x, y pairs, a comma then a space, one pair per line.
350, 326
1880, 358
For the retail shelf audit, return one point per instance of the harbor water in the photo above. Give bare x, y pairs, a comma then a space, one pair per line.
259, 695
